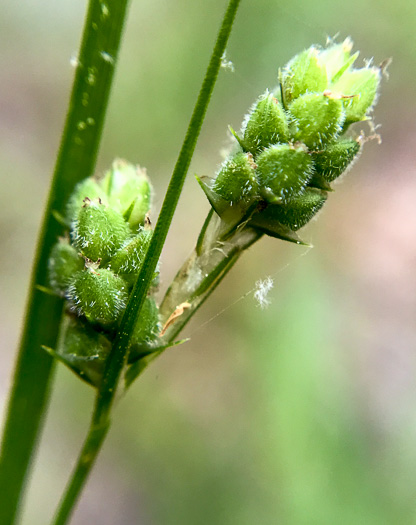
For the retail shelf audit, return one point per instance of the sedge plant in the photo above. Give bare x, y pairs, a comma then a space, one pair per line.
97, 274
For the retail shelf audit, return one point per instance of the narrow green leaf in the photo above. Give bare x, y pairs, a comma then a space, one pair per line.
76, 160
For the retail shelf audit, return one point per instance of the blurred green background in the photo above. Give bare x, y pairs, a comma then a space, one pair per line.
303, 413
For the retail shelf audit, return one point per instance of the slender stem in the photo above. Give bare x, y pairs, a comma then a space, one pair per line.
117, 358
221, 264
75, 161
203, 271
89, 452
199, 276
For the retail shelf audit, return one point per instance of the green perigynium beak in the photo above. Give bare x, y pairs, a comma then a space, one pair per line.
267, 124
125, 188
236, 180
298, 141
98, 231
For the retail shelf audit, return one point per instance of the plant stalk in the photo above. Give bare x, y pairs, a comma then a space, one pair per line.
89, 452
199, 276
76, 161
117, 358
202, 272
194, 283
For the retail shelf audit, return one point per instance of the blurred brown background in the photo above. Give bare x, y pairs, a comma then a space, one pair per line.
303, 413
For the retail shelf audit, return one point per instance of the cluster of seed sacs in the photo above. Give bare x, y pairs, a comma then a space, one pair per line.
294, 141
95, 266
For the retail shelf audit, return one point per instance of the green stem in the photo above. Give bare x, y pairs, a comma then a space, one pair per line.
211, 260
117, 358
199, 276
89, 452
75, 161
219, 265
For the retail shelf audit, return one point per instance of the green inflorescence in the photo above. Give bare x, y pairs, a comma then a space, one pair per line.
96, 265
295, 142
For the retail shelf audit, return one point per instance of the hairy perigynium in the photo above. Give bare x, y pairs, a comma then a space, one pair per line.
295, 141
